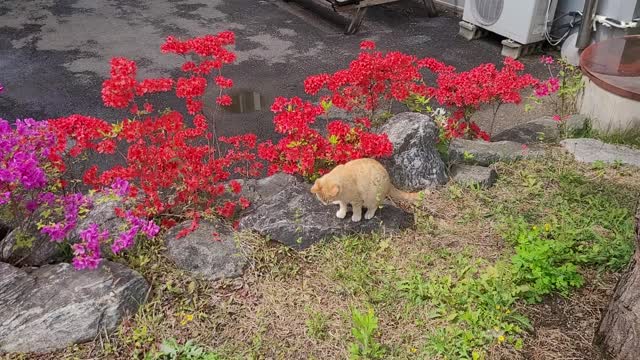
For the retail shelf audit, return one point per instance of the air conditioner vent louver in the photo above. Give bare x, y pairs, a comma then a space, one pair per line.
487, 12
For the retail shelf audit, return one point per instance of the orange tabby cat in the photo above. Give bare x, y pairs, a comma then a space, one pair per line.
361, 183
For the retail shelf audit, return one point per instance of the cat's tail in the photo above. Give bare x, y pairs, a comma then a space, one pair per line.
404, 197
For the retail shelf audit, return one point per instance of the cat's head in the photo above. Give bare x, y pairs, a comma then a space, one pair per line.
325, 190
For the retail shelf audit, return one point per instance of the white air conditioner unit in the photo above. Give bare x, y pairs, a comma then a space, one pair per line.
523, 21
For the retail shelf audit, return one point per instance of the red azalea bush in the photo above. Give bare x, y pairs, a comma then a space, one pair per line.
172, 168
467, 91
303, 150
374, 77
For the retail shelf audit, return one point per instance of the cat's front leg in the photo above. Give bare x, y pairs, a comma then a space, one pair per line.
357, 212
342, 212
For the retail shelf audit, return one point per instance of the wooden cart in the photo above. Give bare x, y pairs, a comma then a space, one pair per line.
359, 9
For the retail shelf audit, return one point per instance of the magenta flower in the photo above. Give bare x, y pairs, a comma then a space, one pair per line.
547, 60
87, 253
120, 187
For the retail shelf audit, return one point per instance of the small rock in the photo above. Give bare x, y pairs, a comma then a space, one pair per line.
576, 122
205, 254
103, 213
486, 153
544, 129
592, 150
415, 163
55, 306
469, 175
293, 216
25, 246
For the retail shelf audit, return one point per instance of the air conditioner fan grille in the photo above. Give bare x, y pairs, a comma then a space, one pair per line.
487, 12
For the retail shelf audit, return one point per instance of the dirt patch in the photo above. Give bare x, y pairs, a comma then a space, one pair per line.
564, 327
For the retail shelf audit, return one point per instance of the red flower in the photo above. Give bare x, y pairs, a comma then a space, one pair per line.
224, 82
235, 187
191, 87
314, 83
244, 202
224, 100
149, 86
194, 106
106, 147
367, 45
227, 209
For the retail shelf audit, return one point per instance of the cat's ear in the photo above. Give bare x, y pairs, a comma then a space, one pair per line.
334, 190
315, 188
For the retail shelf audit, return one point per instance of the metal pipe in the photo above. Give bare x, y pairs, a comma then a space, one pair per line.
586, 29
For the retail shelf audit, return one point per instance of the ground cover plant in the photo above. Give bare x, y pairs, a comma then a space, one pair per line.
473, 281
461, 285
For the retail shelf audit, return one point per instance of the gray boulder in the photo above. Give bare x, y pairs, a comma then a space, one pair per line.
592, 150
102, 213
55, 306
294, 217
576, 122
26, 246
544, 129
484, 153
470, 175
204, 254
415, 163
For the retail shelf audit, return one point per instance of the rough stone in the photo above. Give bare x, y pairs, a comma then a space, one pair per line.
486, 153
103, 213
42, 251
25, 246
469, 175
592, 150
257, 190
544, 129
576, 122
205, 254
294, 217
55, 305
415, 163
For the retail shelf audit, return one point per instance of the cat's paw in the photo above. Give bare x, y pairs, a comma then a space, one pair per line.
341, 214
356, 218
369, 215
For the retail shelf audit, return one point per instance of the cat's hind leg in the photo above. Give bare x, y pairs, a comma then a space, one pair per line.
371, 210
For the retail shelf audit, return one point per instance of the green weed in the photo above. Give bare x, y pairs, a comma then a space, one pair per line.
317, 325
364, 326
171, 350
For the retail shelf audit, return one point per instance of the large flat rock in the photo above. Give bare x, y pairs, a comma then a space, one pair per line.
592, 150
55, 306
293, 216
